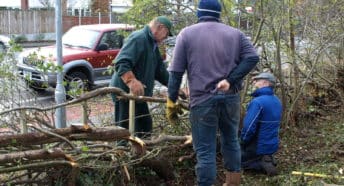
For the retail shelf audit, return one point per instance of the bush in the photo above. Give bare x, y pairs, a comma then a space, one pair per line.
20, 38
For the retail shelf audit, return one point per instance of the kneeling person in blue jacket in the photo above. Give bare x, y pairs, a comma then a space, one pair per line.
259, 135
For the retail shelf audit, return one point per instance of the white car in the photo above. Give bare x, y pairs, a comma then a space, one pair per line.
4, 43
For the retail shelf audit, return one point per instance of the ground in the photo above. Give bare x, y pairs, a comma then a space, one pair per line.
315, 147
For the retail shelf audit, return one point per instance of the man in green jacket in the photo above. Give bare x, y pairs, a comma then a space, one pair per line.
137, 66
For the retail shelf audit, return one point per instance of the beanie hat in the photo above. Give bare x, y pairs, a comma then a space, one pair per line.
209, 8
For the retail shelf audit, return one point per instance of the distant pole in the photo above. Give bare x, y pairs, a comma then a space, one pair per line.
110, 11
79, 16
60, 93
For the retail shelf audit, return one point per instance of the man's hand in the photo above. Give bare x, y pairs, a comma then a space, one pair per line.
223, 85
172, 111
135, 86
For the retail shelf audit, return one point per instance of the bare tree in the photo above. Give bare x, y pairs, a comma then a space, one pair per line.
47, 3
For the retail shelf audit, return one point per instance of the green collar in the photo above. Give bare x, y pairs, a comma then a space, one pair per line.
149, 33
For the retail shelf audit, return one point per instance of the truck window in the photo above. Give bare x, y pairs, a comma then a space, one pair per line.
113, 40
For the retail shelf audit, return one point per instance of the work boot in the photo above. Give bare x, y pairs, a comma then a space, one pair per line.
269, 165
232, 179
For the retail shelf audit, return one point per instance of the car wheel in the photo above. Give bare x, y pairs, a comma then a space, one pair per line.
76, 84
2, 48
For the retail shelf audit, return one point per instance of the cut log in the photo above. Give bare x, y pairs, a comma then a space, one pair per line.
33, 155
71, 133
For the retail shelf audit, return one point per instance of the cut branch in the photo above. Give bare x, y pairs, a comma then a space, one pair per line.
39, 165
101, 91
71, 133
33, 155
162, 138
54, 135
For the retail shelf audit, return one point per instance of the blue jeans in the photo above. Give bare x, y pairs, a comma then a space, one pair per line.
219, 112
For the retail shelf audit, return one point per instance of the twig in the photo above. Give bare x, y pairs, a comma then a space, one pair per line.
126, 172
162, 138
187, 157
55, 135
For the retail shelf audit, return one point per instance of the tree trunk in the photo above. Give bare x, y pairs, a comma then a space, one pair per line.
294, 75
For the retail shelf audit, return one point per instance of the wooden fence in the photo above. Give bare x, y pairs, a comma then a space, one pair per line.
41, 21
26, 22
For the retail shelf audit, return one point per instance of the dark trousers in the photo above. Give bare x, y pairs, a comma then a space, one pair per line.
143, 120
251, 160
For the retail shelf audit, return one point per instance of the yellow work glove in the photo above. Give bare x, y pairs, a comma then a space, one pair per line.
172, 111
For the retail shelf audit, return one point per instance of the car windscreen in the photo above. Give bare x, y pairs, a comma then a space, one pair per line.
77, 37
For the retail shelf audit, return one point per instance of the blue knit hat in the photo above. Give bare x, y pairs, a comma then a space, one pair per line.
209, 8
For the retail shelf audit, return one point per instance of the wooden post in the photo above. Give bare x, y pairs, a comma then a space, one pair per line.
84, 113
23, 123
131, 116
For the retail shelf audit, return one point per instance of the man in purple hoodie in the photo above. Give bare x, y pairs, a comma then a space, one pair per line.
216, 57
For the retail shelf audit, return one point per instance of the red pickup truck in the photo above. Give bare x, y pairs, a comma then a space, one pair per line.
88, 51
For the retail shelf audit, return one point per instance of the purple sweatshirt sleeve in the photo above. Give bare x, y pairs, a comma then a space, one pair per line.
248, 60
